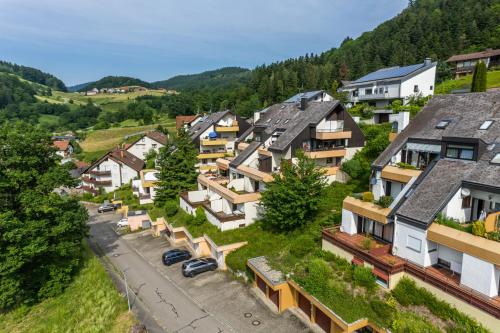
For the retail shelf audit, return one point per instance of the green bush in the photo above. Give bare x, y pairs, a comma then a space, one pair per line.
404, 165
302, 245
407, 322
171, 208
200, 217
367, 244
407, 293
478, 228
367, 196
364, 277
385, 201
494, 235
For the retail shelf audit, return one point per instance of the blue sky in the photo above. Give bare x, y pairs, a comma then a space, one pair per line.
83, 40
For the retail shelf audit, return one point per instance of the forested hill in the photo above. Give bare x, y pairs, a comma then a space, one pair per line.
226, 77
113, 82
33, 75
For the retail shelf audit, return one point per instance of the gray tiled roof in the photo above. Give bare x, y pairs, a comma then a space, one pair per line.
308, 94
466, 111
206, 121
275, 117
252, 146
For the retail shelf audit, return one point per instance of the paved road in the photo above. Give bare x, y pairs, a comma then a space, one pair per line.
172, 309
211, 302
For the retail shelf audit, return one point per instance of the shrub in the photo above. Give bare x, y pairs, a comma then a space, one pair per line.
406, 166
367, 196
478, 228
385, 201
200, 217
408, 322
171, 208
364, 277
302, 246
319, 272
367, 244
494, 235
382, 309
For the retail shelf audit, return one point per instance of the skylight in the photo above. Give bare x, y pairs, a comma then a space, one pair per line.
277, 121
286, 121
486, 125
443, 124
496, 159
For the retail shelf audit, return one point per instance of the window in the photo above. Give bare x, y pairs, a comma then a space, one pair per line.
154, 145
466, 202
286, 121
329, 160
381, 90
460, 152
235, 207
486, 125
368, 91
443, 124
414, 243
415, 88
386, 90
431, 87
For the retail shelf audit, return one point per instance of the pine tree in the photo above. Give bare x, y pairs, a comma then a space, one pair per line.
177, 162
479, 78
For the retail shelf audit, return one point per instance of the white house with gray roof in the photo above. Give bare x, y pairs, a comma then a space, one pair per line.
442, 174
385, 85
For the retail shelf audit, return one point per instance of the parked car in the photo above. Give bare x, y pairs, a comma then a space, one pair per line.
122, 223
106, 208
197, 266
174, 256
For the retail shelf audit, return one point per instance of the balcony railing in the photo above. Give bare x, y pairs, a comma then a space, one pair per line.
100, 173
90, 190
223, 217
96, 182
325, 152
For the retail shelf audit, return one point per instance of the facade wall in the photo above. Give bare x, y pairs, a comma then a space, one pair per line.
144, 146
424, 81
480, 275
349, 222
451, 256
454, 208
411, 243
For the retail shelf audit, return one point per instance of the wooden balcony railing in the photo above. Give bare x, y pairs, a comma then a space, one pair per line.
96, 182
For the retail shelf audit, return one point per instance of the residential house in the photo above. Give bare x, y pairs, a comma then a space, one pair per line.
385, 85
114, 169
444, 165
214, 135
64, 149
92, 92
138, 219
463, 64
153, 140
231, 196
186, 121
145, 187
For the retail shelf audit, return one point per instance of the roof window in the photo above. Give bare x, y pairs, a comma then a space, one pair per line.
496, 159
286, 121
443, 124
277, 121
486, 125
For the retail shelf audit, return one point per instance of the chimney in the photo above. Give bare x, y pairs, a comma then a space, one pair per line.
303, 103
427, 61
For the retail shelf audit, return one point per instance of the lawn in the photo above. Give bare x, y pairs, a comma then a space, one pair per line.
90, 304
445, 87
48, 119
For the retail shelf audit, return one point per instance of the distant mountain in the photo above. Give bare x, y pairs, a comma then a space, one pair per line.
113, 82
226, 77
33, 75
78, 87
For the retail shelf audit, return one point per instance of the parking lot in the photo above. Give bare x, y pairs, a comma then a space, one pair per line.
209, 302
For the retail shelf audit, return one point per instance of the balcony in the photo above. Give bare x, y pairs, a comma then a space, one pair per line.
242, 146
367, 209
325, 152
203, 156
226, 193
379, 255
332, 134
221, 216
375, 96
464, 242
96, 182
214, 142
233, 128
255, 174
193, 203
207, 167
264, 151
100, 173
222, 164
399, 174
90, 190
330, 171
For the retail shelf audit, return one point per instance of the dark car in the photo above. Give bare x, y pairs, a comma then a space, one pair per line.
174, 256
194, 267
106, 208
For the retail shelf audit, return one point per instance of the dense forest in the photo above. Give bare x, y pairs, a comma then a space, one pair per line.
222, 78
426, 28
33, 75
112, 82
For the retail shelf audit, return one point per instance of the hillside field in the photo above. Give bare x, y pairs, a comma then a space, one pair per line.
445, 87
90, 304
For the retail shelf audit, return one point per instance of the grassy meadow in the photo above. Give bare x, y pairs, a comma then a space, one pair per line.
445, 87
90, 304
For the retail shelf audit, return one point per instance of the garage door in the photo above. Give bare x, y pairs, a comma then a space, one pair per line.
323, 321
305, 305
274, 296
261, 284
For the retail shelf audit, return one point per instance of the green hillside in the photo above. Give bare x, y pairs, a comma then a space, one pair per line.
226, 77
33, 75
447, 86
112, 82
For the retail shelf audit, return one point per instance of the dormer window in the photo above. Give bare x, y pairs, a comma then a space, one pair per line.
486, 125
460, 152
443, 124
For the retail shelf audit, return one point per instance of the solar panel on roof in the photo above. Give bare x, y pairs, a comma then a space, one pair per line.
387, 73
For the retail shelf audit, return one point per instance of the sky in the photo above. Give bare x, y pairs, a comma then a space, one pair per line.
84, 40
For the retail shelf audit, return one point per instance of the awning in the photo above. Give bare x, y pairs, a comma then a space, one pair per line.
212, 135
423, 147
